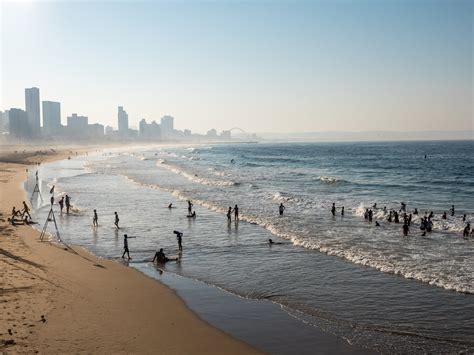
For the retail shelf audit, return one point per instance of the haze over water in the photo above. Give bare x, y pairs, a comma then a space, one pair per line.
374, 288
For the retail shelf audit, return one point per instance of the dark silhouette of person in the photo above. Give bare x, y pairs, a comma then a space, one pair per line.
389, 217
170, 205
405, 229
117, 220
26, 210
374, 206
415, 212
95, 219
160, 256
68, 204
281, 209
444, 216
452, 210
61, 204
464, 218
333, 209
366, 214
179, 237
466, 230
190, 207
342, 211
396, 217
125, 247
236, 213
229, 214
370, 215
192, 215
377, 224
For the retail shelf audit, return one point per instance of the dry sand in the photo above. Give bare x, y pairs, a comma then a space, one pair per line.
54, 300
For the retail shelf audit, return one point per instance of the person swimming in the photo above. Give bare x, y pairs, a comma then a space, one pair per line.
161, 258
271, 242
377, 224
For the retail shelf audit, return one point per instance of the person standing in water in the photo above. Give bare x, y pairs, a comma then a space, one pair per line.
452, 210
236, 213
281, 209
342, 211
117, 220
465, 232
229, 214
125, 247
61, 204
179, 237
406, 229
68, 204
333, 209
190, 207
95, 219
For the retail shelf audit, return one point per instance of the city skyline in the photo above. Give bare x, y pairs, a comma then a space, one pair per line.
294, 67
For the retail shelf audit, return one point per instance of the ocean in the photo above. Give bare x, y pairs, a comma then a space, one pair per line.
367, 284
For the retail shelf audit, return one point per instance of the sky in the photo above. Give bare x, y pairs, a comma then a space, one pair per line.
263, 66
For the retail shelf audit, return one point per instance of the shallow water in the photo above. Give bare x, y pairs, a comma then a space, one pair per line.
355, 295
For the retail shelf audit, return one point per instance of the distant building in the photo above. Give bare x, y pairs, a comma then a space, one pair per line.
150, 131
77, 126
32, 105
51, 117
226, 135
95, 131
122, 121
212, 133
19, 126
109, 130
5, 127
167, 127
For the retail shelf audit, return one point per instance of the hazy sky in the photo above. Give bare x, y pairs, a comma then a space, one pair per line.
260, 65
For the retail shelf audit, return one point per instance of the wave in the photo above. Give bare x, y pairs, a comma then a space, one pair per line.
330, 179
195, 177
284, 197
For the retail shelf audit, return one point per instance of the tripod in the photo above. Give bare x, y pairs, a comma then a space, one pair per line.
36, 189
53, 218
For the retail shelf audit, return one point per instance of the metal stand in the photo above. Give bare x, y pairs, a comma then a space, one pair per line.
36, 190
53, 218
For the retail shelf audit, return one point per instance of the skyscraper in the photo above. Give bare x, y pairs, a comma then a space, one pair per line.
167, 127
19, 126
122, 120
51, 117
32, 105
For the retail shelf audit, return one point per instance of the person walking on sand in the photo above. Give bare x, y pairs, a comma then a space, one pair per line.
117, 220
281, 209
61, 204
229, 214
68, 204
125, 246
95, 219
236, 213
26, 210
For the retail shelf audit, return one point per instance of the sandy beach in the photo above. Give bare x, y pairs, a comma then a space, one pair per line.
59, 300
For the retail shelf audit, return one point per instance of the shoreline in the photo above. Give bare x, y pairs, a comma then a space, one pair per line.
55, 301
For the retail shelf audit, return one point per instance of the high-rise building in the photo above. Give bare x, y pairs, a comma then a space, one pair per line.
5, 121
19, 126
51, 117
77, 126
32, 105
167, 127
122, 120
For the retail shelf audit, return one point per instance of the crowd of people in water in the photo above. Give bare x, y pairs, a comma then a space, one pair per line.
426, 222
23, 216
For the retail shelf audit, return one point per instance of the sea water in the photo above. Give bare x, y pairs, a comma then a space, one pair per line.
367, 284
